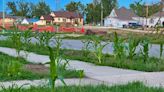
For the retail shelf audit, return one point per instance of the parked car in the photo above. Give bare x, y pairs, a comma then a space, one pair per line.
134, 25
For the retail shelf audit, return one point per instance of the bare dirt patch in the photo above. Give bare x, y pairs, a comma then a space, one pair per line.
36, 68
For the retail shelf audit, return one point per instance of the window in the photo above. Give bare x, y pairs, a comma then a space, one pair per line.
58, 19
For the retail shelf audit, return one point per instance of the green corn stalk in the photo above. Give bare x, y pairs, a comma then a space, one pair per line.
86, 47
16, 39
145, 51
26, 39
98, 48
132, 45
119, 47
54, 55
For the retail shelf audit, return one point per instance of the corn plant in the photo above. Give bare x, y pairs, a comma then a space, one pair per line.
44, 38
26, 36
55, 55
86, 47
145, 49
16, 40
119, 47
132, 45
98, 47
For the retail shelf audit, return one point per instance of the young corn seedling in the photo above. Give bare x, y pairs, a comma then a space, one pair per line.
55, 56
145, 49
98, 47
132, 45
86, 47
119, 47
26, 36
16, 40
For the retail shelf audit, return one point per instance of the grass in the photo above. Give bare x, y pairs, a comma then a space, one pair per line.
131, 87
13, 69
153, 64
154, 38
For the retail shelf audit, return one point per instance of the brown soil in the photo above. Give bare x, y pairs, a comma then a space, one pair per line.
35, 68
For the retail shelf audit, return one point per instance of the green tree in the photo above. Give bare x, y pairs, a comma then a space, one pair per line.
76, 7
139, 8
93, 10
40, 9
28, 9
108, 5
12, 7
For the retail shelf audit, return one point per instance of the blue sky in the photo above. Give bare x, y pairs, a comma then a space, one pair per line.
64, 2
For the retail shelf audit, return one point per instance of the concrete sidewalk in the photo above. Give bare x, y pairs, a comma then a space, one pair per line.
101, 73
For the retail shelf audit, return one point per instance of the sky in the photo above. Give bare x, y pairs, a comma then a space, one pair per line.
62, 4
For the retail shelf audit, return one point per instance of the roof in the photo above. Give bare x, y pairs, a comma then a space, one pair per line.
32, 20
47, 17
7, 16
67, 14
125, 14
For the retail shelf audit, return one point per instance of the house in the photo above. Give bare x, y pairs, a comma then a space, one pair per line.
8, 19
157, 18
45, 19
66, 17
120, 17
29, 21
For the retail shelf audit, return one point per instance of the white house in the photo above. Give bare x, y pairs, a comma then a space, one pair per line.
120, 17
25, 21
157, 18
30, 21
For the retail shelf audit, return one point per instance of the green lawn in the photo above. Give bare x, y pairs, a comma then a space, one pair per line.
13, 69
154, 38
131, 87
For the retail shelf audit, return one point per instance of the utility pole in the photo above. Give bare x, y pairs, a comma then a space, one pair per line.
102, 13
147, 13
3, 15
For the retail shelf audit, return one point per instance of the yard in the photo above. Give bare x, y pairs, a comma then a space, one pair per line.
124, 57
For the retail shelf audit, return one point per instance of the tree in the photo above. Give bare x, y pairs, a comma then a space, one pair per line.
93, 13
12, 7
73, 6
19, 8
23, 7
40, 9
93, 10
28, 9
108, 5
140, 8
76, 7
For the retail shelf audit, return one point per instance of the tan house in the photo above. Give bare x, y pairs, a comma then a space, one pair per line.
8, 19
66, 17
45, 19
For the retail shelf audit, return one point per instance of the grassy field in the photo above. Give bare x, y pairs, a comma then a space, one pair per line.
131, 87
154, 38
14, 69
152, 65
